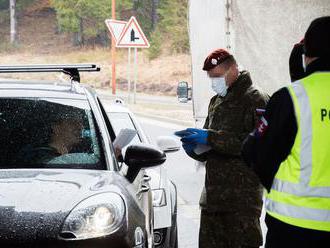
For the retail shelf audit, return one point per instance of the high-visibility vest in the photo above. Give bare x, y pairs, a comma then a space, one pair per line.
300, 193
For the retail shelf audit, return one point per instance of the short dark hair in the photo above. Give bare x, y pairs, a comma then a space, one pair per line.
229, 62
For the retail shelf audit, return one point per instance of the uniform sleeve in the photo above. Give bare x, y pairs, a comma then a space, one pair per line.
230, 143
270, 144
225, 142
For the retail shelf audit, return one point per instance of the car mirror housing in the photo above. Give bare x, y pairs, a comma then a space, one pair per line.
168, 144
141, 156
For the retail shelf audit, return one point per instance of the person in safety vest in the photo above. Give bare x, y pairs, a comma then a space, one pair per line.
290, 151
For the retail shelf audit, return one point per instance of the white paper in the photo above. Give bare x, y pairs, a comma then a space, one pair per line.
124, 137
200, 149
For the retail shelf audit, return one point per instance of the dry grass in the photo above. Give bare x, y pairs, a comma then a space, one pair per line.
40, 44
159, 76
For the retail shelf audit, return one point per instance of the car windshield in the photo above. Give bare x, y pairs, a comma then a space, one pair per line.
48, 133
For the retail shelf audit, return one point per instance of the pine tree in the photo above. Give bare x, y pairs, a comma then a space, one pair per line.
85, 18
173, 24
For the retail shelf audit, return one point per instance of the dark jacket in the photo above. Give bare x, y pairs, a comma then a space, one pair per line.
265, 151
230, 186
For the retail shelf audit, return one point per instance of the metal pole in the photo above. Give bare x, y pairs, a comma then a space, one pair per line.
129, 75
135, 73
13, 32
113, 52
228, 24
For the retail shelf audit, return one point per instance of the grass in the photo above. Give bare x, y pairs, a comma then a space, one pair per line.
152, 75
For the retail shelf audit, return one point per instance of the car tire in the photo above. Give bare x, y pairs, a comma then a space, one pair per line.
174, 240
176, 243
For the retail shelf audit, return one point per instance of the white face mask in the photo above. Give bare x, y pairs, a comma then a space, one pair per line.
304, 62
219, 86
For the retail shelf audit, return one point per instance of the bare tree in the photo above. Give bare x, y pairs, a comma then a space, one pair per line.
13, 22
154, 14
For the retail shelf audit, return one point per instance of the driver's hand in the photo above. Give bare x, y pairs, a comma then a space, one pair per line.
118, 154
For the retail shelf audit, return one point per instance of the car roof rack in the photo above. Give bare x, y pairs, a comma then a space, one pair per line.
119, 101
70, 69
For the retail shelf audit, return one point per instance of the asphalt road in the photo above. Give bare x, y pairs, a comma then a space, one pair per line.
145, 98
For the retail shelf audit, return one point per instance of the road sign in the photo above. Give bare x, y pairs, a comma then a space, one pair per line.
133, 36
128, 35
115, 27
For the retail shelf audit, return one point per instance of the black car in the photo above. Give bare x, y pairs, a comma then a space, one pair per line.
60, 182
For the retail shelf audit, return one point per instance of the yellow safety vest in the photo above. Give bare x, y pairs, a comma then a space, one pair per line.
300, 193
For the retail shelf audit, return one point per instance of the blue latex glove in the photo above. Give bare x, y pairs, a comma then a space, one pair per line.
198, 136
189, 148
183, 133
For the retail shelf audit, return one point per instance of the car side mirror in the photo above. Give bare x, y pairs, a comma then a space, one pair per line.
167, 144
183, 92
141, 156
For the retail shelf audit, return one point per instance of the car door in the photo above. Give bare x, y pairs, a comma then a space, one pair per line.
139, 188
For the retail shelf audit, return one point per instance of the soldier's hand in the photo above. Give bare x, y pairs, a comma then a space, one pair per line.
189, 148
198, 136
182, 133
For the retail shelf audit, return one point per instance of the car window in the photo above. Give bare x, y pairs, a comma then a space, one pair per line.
123, 120
48, 133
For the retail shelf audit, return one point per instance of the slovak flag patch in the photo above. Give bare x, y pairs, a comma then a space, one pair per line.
262, 127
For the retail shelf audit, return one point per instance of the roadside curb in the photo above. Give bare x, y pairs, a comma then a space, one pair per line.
164, 119
153, 115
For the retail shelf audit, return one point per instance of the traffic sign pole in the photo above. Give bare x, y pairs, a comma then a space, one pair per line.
127, 35
113, 52
135, 73
129, 75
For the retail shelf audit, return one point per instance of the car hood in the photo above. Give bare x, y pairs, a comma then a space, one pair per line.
35, 203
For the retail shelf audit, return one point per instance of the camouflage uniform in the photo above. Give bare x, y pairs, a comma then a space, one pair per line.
231, 201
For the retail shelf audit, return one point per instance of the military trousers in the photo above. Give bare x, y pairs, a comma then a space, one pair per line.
229, 230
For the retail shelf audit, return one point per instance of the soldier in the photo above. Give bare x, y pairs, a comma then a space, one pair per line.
231, 201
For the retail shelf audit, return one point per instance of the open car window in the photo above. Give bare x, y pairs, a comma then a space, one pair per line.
120, 121
48, 133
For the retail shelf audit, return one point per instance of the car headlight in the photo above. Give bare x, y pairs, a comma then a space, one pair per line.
158, 197
96, 216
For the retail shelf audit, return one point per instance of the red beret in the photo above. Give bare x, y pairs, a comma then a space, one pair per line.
216, 58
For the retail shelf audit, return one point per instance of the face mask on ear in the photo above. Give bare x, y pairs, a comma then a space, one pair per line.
303, 62
219, 86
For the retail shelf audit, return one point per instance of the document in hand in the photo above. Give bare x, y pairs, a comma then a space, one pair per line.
124, 137
200, 149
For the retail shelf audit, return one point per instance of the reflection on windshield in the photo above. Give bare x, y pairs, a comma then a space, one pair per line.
40, 133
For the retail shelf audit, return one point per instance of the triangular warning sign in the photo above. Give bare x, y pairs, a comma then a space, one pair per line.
115, 27
133, 36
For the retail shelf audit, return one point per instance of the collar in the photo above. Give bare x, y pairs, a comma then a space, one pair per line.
241, 84
320, 64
